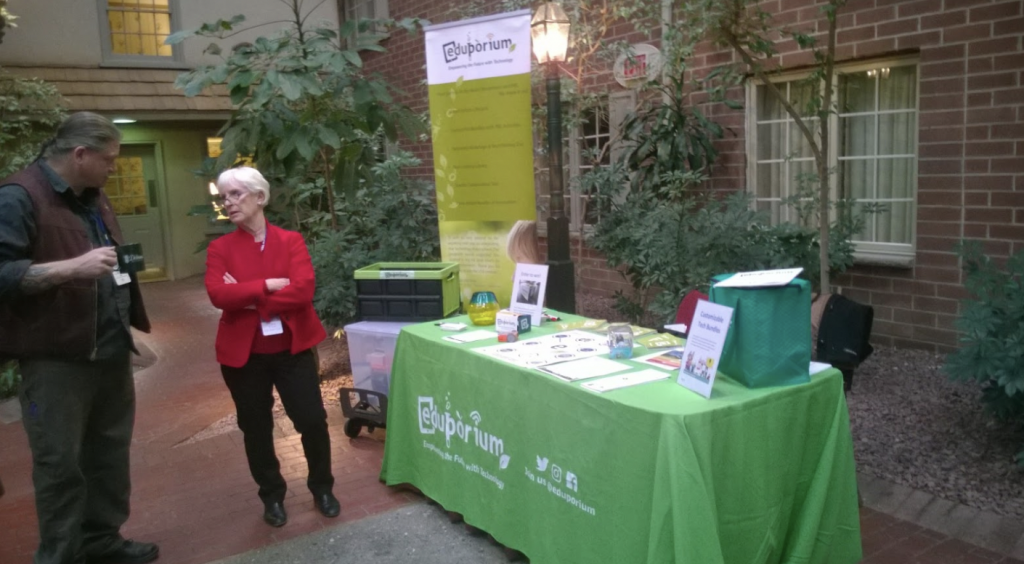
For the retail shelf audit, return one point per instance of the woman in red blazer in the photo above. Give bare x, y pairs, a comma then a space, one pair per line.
262, 278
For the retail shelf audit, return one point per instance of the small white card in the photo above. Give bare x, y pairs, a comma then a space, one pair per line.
818, 367
704, 345
590, 367
272, 326
450, 326
624, 380
528, 288
121, 278
760, 278
472, 336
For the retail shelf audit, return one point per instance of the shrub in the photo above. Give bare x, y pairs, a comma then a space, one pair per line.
666, 248
991, 323
394, 219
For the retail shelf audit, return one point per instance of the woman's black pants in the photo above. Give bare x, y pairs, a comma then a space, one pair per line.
298, 384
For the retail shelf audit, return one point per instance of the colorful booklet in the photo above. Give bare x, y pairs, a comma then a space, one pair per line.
659, 341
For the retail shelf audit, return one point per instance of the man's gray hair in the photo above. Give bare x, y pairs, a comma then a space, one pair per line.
82, 129
248, 178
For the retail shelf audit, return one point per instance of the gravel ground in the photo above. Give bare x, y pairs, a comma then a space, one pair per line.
911, 424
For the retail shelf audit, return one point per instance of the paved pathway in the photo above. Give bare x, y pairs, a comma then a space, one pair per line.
198, 501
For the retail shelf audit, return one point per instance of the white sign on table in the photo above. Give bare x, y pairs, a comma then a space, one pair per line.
704, 346
528, 288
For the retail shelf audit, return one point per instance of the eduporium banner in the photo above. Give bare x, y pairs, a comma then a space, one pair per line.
478, 75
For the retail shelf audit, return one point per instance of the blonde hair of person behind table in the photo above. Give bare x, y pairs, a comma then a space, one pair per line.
522, 245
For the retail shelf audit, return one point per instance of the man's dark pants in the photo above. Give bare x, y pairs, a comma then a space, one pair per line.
79, 417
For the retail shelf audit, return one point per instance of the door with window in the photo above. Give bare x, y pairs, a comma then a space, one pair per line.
135, 196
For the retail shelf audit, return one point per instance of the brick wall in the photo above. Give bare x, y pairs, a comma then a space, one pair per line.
970, 141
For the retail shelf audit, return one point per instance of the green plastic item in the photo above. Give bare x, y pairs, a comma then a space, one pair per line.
769, 341
407, 291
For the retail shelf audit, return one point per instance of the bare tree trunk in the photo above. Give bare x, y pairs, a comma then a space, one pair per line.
823, 158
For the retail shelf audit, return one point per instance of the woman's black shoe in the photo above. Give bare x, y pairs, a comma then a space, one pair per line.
274, 514
327, 504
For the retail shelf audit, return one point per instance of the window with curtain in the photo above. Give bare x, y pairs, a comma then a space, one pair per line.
874, 132
135, 30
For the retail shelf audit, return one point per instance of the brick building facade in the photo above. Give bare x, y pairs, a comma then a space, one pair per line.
960, 118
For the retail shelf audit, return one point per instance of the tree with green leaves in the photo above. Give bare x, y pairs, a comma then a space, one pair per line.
745, 28
30, 111
305, 112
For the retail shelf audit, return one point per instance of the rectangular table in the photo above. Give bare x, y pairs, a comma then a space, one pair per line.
652, 473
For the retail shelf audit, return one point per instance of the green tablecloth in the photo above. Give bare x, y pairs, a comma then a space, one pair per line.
652, 473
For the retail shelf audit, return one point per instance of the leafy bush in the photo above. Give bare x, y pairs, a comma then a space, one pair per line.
393, 218
992, 332
667, 237
10, 378
30, 111
666, 248
306, 113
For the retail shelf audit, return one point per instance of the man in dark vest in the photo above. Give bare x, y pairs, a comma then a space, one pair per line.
65, 312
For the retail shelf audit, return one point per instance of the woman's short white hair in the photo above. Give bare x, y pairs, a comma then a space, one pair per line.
248, 178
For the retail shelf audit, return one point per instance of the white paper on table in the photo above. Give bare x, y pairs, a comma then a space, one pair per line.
677, 327
478, 335
818, 367
760, 278
625, 380
548, 349
590, 367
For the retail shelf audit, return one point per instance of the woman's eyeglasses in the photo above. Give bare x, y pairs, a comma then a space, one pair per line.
232, 197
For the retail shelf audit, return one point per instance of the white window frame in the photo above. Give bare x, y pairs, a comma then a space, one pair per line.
890, 254
617, 105
111, 59
381, 11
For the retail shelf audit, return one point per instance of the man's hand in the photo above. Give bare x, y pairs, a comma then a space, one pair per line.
97, 263
275, 284
94, 264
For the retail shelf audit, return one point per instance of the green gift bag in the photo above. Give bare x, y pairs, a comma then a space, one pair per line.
769, 341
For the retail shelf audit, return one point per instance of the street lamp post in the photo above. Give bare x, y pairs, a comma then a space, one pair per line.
550, 31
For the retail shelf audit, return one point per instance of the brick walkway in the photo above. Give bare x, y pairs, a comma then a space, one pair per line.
199, 503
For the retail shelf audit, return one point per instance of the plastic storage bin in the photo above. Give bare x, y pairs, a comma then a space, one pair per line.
371, 350
407, 291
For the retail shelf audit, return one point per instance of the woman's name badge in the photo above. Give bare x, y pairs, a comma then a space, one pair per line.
271, 327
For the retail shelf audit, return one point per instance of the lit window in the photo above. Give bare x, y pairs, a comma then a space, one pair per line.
126, 187
135, 30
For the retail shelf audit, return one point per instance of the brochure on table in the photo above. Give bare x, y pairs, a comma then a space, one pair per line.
528, 288
760, 278
704, 347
